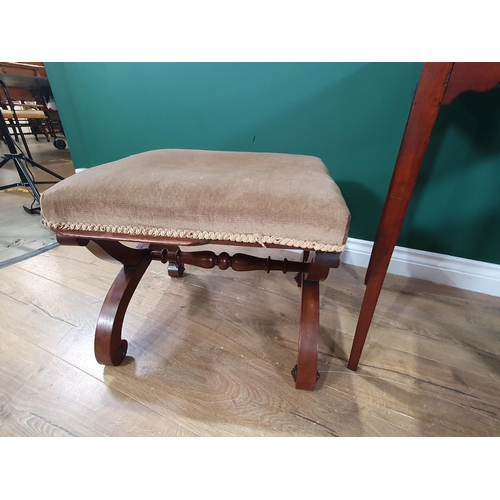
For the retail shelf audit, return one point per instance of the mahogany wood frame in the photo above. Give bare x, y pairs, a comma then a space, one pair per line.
439, 84
110, 348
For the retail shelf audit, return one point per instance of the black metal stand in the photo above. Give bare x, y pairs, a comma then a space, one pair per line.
26, 179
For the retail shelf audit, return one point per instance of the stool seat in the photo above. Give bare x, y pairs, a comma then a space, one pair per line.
265, 198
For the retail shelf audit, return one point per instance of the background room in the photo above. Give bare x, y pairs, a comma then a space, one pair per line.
210, 354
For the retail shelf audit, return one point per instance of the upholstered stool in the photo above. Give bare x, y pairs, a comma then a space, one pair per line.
165, 200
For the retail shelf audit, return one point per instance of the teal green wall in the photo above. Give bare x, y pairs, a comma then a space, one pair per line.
351, 115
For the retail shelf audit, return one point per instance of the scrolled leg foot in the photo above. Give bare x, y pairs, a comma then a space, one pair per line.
174, 270
111, 357
109, 347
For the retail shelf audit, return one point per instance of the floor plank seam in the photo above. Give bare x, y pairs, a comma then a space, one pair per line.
426, 381
331, 431
433, 394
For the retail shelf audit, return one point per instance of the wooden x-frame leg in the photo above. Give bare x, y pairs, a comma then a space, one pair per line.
110, 348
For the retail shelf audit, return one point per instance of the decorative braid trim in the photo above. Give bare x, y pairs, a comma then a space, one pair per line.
199, 235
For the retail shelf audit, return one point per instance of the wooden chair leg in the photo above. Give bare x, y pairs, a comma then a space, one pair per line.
109, 347
305, 372
370, 299
423, 114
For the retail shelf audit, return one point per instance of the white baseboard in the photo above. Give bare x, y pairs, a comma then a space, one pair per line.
467, 274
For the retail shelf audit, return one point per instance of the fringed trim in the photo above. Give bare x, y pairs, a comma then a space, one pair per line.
198, 235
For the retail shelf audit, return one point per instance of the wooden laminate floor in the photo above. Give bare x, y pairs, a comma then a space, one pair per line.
210, 354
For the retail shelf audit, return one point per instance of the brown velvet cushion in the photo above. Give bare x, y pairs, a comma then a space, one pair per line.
248, 197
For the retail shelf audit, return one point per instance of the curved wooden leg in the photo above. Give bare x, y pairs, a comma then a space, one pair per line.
109, 347
305, 372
